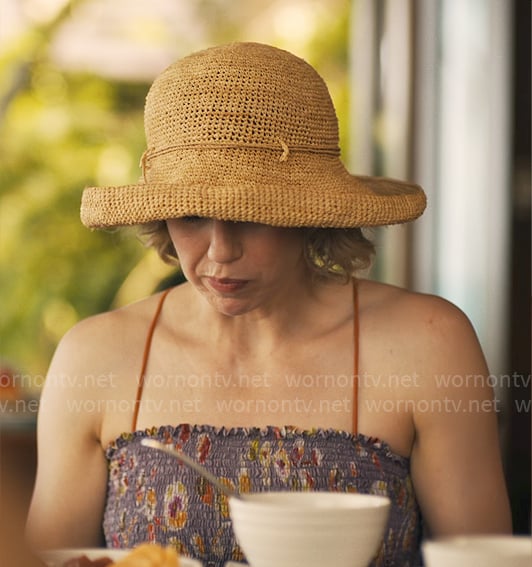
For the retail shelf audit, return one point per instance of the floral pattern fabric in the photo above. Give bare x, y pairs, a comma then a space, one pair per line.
153, 497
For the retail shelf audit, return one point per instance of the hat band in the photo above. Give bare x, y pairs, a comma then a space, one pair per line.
151, 153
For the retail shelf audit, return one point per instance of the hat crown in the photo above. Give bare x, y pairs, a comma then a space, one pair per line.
242, 94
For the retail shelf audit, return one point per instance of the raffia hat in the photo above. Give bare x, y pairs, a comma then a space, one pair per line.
247, 132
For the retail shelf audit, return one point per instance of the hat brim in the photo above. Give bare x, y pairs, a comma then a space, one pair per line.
311, 191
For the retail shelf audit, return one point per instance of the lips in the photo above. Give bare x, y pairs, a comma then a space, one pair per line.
226, 285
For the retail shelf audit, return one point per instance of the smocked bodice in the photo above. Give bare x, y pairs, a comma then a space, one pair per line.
152, 497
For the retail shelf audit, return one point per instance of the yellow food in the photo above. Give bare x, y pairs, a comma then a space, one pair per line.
149, 555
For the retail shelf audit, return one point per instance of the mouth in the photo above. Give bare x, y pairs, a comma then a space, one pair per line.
226, 285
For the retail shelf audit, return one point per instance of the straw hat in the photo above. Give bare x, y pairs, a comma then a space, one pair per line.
247, 132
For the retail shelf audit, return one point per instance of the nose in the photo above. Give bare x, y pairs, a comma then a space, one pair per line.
225, 244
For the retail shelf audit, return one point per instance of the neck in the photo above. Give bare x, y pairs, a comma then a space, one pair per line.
302, 312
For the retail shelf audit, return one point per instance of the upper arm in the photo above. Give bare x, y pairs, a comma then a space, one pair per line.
456, 463
68, 500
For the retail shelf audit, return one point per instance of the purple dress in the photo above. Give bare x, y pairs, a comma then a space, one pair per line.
152, 497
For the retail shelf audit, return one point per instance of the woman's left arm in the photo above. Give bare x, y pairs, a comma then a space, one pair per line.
456, 461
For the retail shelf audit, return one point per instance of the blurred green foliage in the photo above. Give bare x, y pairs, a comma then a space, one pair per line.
56, 136
59, 132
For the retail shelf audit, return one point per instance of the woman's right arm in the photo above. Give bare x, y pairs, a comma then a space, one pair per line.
69, 495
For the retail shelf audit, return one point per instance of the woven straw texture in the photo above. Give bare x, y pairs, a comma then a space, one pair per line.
247, 132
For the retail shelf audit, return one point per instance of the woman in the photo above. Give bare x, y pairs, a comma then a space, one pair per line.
273, 365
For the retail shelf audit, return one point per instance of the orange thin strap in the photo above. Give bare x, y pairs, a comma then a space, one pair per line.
145, 357
355, 361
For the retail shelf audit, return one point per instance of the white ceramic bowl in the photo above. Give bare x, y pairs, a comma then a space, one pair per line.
309, 529
479, 551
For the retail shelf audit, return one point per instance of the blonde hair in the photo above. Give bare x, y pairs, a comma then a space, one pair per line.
331, 253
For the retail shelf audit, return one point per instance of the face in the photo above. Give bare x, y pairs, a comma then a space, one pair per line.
239, 266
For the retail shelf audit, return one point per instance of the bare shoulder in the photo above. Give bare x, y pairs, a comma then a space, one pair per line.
106, 342
391, 308
114, 326
382, 299
416, 332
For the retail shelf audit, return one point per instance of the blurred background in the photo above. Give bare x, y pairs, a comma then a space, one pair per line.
436, 91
